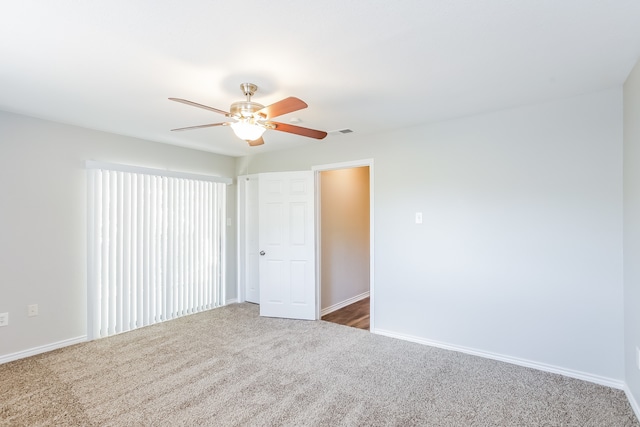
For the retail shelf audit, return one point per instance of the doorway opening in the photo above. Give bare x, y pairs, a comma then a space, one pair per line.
344, 245
358, 271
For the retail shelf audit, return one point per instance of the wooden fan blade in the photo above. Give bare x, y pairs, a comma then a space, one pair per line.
195, 104
285, 106
201, 126
311, 133
256, 142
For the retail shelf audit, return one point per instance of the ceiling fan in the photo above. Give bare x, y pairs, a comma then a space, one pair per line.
251, 120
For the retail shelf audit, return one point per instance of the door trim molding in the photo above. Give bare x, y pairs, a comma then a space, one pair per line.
241, 247
316, 173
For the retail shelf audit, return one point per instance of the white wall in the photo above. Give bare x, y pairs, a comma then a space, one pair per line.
520, 252
632, 232
344, 217
43, 226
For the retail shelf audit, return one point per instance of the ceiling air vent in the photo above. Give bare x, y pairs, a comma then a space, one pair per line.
340, 132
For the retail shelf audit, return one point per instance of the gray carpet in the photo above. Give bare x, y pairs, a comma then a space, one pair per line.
229, 367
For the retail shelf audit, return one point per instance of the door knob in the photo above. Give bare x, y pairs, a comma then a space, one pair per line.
262, 253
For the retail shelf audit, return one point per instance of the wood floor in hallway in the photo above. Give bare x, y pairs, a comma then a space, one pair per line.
355, 315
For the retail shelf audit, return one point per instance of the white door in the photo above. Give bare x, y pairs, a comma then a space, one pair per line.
287, 245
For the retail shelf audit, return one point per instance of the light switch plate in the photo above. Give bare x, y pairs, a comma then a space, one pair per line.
418, 217
32, 310
4, 319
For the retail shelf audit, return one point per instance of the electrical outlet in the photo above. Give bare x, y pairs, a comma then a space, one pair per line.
638, 356
32, 310
4, 319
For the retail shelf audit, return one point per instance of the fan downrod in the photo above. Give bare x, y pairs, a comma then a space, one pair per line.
248, 89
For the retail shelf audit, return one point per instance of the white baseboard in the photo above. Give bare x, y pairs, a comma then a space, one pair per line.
42, 349
597, 379
56, 345
344, 303
632, 401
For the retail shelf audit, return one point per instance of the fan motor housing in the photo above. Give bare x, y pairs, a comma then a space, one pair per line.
242, 109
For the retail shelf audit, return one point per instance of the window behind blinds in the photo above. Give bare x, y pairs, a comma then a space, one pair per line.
156, 247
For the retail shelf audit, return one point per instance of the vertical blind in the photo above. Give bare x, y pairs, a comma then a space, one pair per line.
156, 247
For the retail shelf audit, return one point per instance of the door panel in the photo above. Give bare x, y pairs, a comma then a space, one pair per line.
298, 216
273, 281
298, 274
286, 229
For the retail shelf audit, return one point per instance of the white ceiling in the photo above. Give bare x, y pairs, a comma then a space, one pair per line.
367, 65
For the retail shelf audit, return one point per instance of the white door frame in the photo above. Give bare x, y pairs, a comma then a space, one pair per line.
241, 246
335, 166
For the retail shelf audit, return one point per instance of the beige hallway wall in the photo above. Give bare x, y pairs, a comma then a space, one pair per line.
344, 217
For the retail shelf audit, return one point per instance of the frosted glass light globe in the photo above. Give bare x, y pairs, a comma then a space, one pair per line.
247, 131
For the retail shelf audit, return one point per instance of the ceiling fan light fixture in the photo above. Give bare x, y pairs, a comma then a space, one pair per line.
246, 130
250, 119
